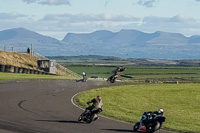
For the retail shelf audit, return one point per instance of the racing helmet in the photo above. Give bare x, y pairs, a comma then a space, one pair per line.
83, 73
99, 98
160, 110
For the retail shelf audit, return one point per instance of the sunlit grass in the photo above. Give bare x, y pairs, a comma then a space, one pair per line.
181, 103
17, 76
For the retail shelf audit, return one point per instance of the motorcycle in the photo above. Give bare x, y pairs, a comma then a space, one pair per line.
116, 74
151, 125
112, 78
88, 116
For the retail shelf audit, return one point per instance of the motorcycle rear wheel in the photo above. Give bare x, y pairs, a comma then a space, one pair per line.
154, 128
89, 120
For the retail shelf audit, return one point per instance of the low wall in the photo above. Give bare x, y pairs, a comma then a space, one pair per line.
14, 69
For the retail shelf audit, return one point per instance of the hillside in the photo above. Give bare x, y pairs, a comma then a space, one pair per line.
18, 59
20, 39
28, 61
127, 43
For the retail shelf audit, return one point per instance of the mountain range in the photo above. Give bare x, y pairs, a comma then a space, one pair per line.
127, 43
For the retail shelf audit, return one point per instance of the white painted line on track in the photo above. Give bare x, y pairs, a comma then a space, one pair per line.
72, 100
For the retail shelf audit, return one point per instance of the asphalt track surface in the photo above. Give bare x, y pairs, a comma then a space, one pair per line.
46, 107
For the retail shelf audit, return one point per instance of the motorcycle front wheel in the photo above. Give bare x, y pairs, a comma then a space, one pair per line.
79, 118
136, 126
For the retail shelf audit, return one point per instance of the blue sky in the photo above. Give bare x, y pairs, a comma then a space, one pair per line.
56, 18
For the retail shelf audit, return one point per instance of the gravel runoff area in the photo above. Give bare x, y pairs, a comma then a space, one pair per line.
45, 106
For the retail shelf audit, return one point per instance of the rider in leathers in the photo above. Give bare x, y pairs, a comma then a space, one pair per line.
148, 115
117, 72
96, 107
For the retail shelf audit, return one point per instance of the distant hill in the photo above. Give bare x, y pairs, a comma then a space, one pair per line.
21, 39
125, 44
135, 44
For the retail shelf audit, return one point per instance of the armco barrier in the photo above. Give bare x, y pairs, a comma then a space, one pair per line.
9, 68
14, 69
20, 69
24, 70
35, 71
28, 71
31, 71
2, 68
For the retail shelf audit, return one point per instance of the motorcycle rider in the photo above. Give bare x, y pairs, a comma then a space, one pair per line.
96, 107
84, 77
160, 112
118, 71
149, 115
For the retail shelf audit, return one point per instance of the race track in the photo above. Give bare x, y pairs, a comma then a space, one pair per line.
46, 107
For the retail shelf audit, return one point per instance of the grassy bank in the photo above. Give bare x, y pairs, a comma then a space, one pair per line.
181, 103
18, 59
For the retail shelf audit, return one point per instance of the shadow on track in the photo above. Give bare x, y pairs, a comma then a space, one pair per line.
61, 121
120, 130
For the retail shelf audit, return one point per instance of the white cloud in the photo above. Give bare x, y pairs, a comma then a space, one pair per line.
178, 24
89, 17
58, 25
49, 2
30, 1
182, 18
11, 16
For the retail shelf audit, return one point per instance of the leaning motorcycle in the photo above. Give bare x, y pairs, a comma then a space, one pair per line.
87, 116
116, 74
112, 78
151, 125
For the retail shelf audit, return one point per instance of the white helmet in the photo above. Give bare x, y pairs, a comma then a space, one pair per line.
83, 73
99, 98
160, 110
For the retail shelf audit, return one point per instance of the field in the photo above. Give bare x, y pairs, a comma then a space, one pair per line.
181, 103
144, 74
137, 70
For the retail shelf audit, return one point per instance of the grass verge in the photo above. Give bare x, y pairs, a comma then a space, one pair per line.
181, 103
17, 76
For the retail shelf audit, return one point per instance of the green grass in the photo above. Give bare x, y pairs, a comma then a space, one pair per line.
16, 76
101, 72
143, 73
181, 103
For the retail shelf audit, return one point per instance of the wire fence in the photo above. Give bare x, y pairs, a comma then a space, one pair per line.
13, 49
